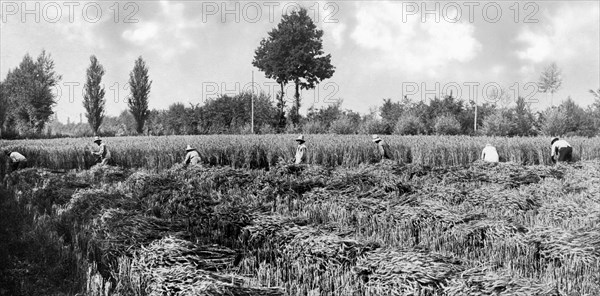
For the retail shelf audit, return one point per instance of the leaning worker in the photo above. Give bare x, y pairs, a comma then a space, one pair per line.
192, 156
561, 150
300, 150
103, 155
382, 147
16, 160
489, 154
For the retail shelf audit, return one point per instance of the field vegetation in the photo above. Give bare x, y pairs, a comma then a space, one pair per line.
264, 151
368, 229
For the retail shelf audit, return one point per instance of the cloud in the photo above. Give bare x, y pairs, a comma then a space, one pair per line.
414, 46
142, 33
169, 34
562, 35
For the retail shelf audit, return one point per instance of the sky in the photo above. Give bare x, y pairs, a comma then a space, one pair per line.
197, 50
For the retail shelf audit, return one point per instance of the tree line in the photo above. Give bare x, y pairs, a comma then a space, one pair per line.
27, 97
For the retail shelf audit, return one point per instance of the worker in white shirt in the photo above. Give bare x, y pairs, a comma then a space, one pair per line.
382, 147
191, 157
489, 154
300, 156
561, 150
103, 154
16, 160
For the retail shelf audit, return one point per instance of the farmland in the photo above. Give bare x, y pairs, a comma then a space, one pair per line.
264, 151
433, 222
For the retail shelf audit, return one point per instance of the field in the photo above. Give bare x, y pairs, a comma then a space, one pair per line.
264, 151
433, 222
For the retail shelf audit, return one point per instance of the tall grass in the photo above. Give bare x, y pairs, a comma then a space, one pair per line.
263, 151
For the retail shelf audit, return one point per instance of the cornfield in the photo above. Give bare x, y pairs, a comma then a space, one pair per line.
333, 227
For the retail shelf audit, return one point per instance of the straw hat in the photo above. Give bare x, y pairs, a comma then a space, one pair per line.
300, 138
376, 138
188, 148
97, 139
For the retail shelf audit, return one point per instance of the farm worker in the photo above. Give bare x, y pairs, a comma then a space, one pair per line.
561, 150
300, 150
16, 159
103, 154
382, 147
192, 157
489, 154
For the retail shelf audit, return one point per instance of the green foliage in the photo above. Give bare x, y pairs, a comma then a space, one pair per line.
372, 126
226, 114
314, 127
139, 85
550, 81
293, 52
446, 125
344, 125
498, 124
93, 97
325, 115
28, 93
409, 125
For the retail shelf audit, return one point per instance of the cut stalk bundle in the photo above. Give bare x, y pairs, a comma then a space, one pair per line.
177, 267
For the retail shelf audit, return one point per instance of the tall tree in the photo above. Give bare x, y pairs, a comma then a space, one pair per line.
550, 81
139, 85
93, 97
28, 94
293, 52
523, 118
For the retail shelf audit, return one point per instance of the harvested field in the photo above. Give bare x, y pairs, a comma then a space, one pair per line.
375, 229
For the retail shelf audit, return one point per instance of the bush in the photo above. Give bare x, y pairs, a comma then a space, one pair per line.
498, 124
446, 125
343, 126
409, 125
267, 129
314, 127
373, 126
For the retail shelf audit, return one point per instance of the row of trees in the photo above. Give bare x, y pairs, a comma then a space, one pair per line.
442, 116
27, 99
27, 96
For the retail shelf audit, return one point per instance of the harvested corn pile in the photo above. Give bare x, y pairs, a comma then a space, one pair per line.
484, 282
118, 232
105, 173
579, 246
85, 204
171, 251
488, 229
175, 267
326, 249
280, 236
380, 229
407, 272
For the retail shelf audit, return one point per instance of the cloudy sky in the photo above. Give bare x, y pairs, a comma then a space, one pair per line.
196, 50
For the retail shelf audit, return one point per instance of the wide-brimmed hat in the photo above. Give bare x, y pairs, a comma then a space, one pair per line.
300, 138
188, 148
97, 139
553, 140
376, 138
